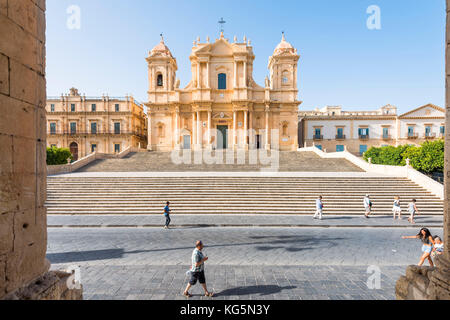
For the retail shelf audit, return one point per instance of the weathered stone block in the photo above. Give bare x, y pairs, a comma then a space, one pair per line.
26, 85
4, 7
18, 118
9, 194
24, 157
6, 232
2, 275
21, 46
401, 287
412, 271
6, 164
4, 74
26, 14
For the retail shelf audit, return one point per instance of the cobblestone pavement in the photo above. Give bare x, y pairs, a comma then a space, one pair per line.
245, 263
218, 220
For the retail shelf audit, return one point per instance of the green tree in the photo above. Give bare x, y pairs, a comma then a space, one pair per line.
56, 156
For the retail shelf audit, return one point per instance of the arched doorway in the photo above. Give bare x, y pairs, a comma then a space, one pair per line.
74, 150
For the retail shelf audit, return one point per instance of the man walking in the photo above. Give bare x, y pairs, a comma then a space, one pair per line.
367, 206
319, 208
197, 271
167, 215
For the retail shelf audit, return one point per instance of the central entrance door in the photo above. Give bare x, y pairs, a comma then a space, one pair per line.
186, 142
258, 141
222, 137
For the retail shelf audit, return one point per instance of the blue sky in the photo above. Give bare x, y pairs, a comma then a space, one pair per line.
342, 61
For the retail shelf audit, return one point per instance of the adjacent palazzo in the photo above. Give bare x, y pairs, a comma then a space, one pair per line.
222, 107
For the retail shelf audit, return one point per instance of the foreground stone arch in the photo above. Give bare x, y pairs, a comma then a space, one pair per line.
23, 172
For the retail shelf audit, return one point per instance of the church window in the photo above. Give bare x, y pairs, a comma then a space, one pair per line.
159, 81
222, 81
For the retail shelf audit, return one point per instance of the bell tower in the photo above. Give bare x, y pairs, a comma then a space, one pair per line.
283, 67
162, 67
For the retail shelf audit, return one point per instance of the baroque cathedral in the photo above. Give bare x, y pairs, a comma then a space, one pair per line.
222, 107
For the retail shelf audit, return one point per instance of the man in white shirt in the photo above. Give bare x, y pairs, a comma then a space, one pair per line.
319, 208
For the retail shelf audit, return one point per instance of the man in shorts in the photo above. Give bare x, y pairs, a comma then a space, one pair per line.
197, 271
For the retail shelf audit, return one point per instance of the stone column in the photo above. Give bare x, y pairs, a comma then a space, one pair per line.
250, 127
234, 130
267, 146
209, 145
198, 75
199, 131
245, 74
194, 130
245, 130
177, 128
207, 75
235, 74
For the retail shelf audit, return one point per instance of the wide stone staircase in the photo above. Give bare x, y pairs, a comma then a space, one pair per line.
233, 195
163, 162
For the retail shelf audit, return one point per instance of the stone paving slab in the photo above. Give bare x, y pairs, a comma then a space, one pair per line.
206, 220
245, 263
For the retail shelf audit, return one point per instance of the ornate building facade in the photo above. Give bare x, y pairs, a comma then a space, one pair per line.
87, 124
333, 129
222, 106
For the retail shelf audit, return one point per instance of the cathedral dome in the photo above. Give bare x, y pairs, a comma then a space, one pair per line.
161, 50
284, 47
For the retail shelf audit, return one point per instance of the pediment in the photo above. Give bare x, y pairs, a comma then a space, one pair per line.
429, 110
219, 48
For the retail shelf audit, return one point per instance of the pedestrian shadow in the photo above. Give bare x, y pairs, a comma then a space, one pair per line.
262, 290
79, 256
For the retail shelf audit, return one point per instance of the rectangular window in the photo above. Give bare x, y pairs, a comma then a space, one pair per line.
362, 149
73, 127
427, 131
52, 108
340, 148
222, 81
317, 131
94, 107
442, 130
385, 132
72, 107
340, 132
94, 127
410, 131
117, 148
52, 128
117, 107
363, 132
117, 128
93, 148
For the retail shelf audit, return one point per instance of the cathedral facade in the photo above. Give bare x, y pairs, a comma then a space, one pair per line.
222, 107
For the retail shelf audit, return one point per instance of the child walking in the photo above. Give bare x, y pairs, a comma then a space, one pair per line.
412, 211
319, 208
438, 247
396, 209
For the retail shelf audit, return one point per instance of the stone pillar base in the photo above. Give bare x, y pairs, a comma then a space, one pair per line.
53, 285
425, 283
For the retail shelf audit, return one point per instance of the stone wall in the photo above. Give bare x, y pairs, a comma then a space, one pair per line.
23, 172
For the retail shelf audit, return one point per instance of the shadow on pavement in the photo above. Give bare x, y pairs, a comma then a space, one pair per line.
262, 290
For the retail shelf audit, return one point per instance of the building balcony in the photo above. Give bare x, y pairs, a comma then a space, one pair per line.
386, 137
318, 137
84, 133
363, 137
412, 136
430, 135
340, 137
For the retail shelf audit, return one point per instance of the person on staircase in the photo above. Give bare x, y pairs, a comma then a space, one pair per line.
319, 208
367, 206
